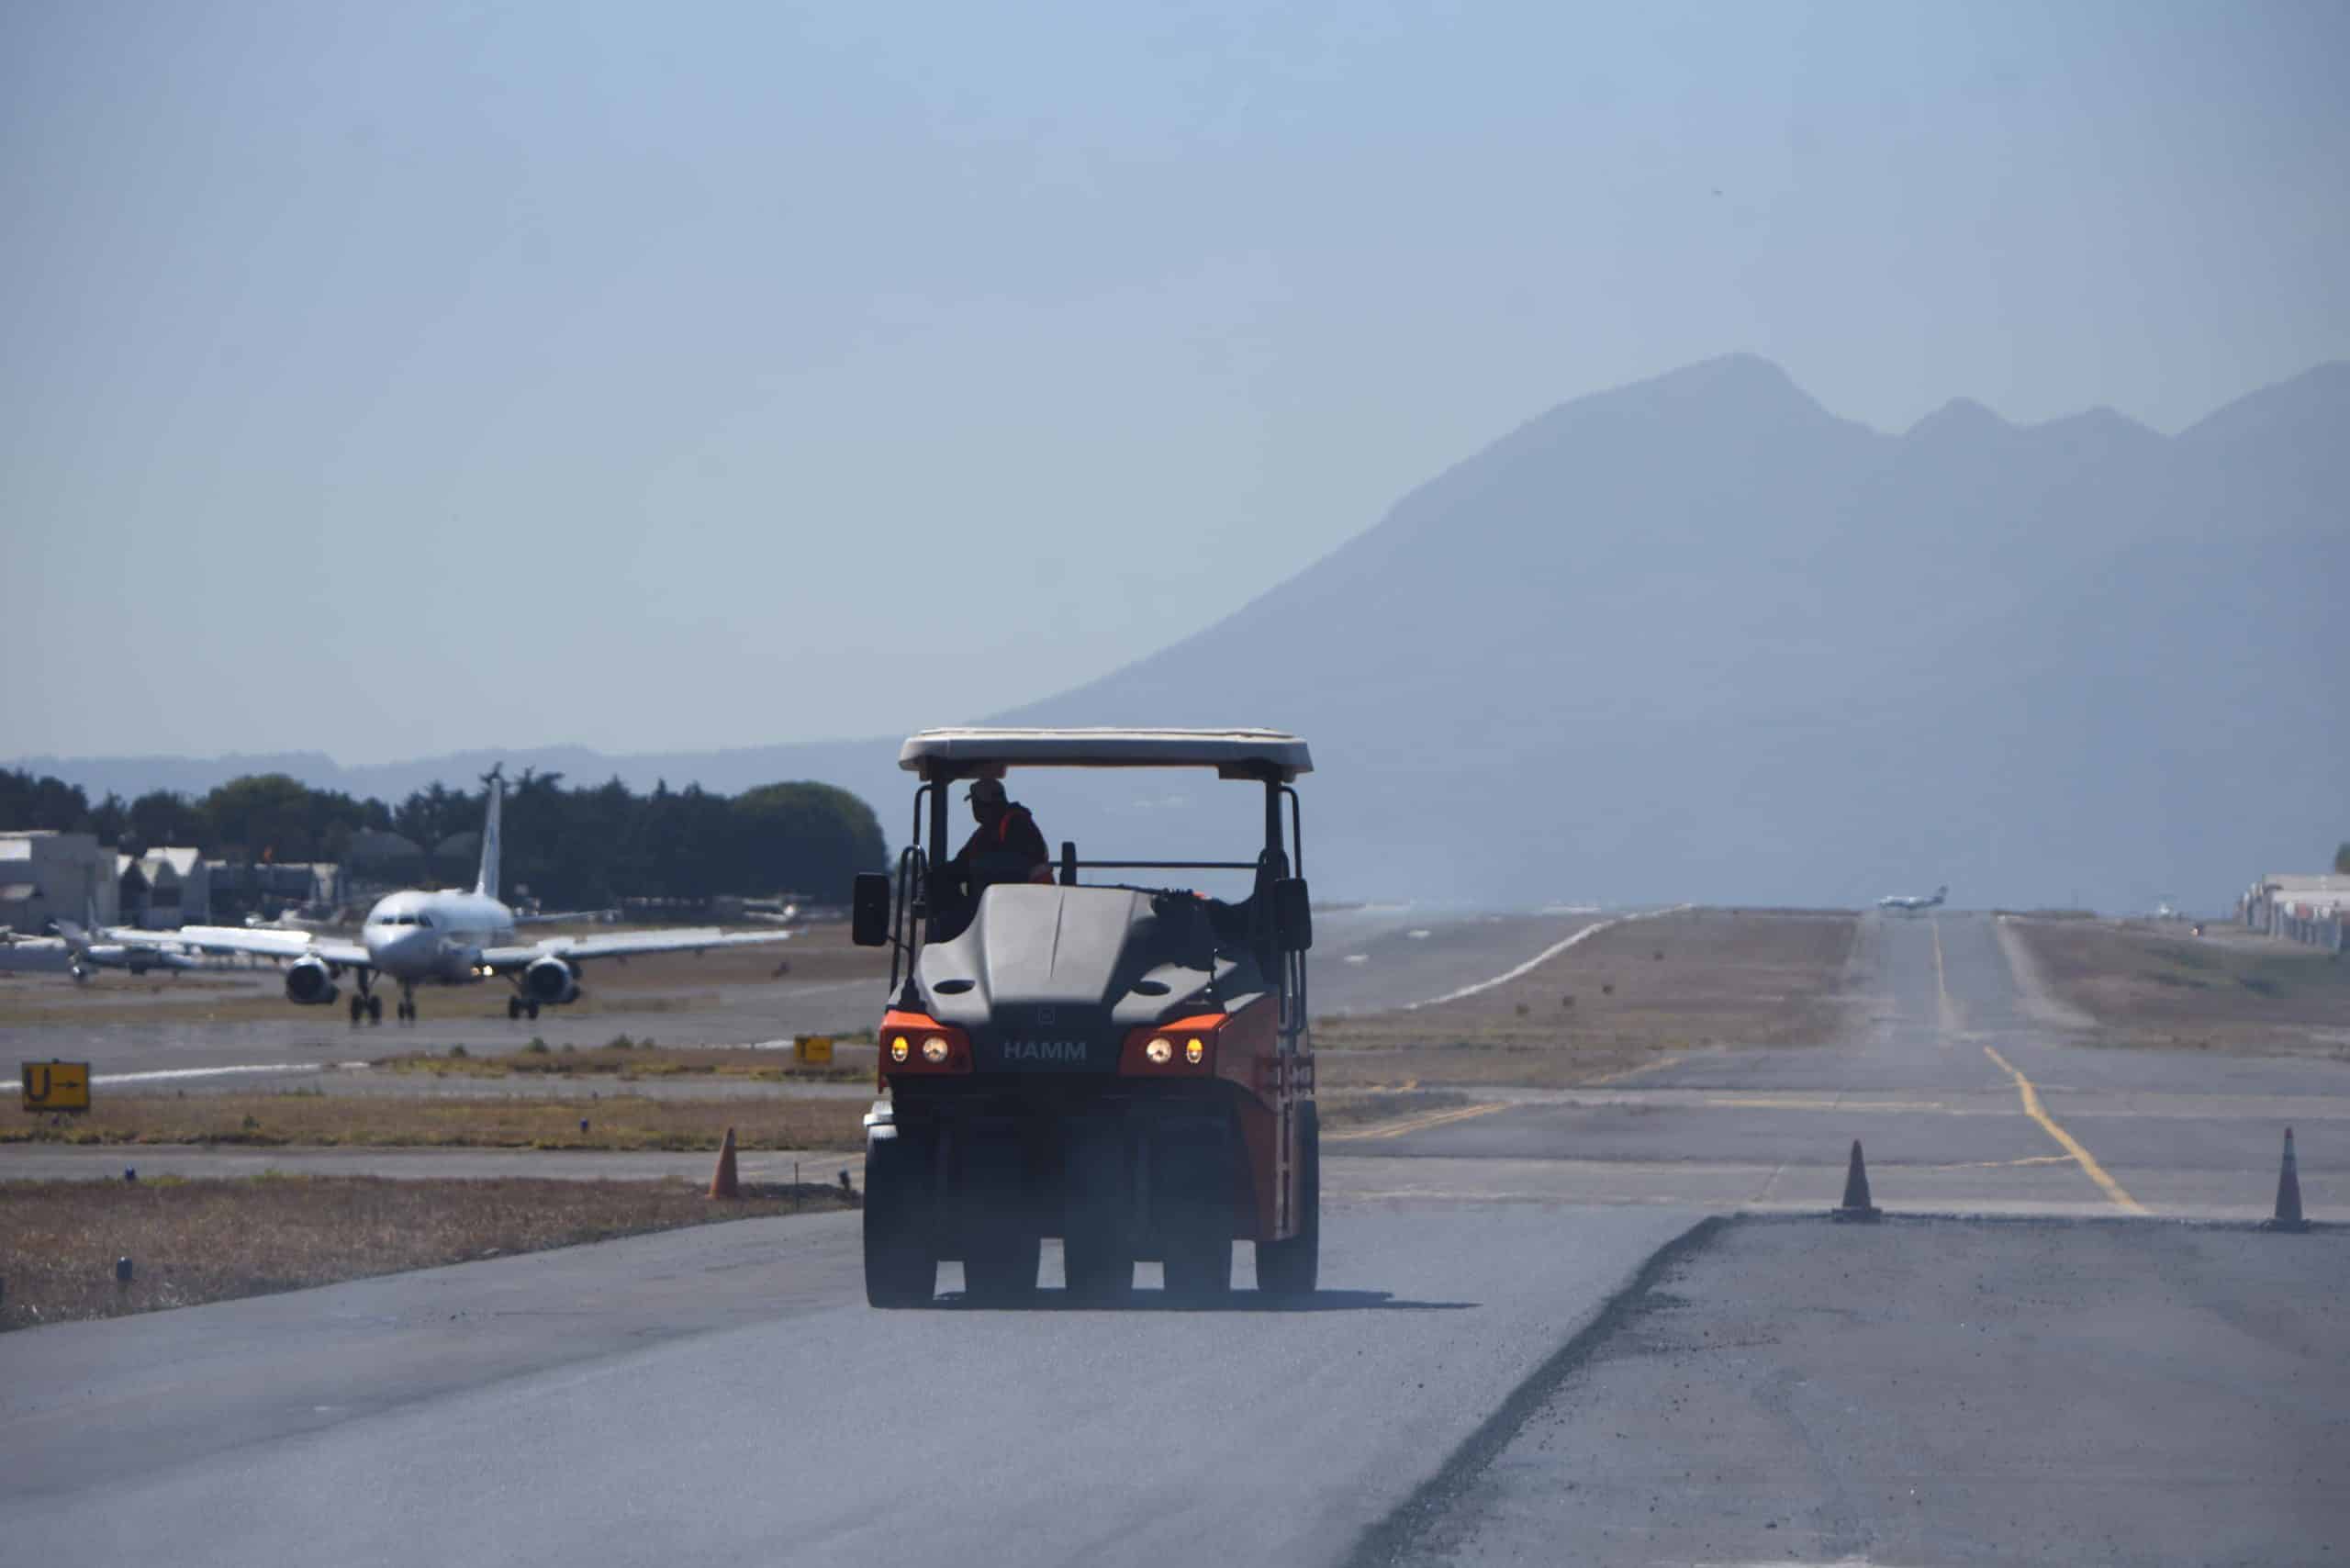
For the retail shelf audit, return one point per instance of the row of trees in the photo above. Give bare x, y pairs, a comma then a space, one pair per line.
585, 847
265, 815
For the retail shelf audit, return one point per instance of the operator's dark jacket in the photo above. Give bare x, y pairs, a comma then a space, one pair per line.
1014, 832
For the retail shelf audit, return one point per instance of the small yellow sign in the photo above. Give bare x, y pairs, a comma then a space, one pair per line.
813, 1050
57, 1085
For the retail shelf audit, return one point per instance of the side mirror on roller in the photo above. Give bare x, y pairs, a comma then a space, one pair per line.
1292, 915
869, 920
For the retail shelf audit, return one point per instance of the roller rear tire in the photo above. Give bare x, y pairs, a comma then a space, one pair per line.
1293, 1269
900, 1266
1097, 1241
1001, 1248
1192, 1197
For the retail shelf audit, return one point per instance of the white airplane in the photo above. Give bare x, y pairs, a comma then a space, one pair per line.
87, 956
135, 957
414, 937
1911, 903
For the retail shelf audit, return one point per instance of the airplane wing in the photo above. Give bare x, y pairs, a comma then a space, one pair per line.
632, 944
258, 941
118, 937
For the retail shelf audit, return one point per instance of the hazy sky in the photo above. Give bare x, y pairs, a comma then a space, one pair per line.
388, 379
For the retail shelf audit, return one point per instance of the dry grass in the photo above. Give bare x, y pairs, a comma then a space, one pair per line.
213, 1240
613, 1122
1620, 1000
2162, 986
630, 1060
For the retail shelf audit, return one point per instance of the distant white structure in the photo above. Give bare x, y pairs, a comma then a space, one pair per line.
164, 889
2308, 908
50, 876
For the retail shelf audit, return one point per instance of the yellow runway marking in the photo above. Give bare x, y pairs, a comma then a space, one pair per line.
2001, 1164
1830, 1103
2031, 1107
1941, 981
1421, 1123
1658, 1065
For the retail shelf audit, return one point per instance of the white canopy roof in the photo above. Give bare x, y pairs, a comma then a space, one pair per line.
1232, 753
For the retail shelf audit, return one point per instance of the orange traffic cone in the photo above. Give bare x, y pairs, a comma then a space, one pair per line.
722, 1182
1856, 1205
2289, 1192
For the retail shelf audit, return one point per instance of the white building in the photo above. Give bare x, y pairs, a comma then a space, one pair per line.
56, 876
2312, 909
164, 889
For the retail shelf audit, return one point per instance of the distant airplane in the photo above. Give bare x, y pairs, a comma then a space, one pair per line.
416, 938
1911, 903
136, 952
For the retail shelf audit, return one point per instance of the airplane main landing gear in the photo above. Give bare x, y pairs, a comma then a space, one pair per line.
367, 1005
517, 1008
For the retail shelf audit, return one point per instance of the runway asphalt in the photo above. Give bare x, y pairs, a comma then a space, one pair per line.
728, 1398
1533, 1346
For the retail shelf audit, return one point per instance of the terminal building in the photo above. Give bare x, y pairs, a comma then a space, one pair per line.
2306, 908
46, 877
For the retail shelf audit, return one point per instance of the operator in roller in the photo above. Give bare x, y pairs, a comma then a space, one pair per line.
1006, 846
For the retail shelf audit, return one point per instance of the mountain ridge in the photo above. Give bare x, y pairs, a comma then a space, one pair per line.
1648, 594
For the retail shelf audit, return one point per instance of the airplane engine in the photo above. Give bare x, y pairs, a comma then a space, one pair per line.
552, 981
311, 983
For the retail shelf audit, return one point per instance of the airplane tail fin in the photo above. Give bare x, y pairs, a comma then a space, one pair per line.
486, 883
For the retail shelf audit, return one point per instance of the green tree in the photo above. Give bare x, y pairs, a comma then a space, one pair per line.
161, 817
2342, 860
270, 816
804, 837
110, 818
44, 802
262, 816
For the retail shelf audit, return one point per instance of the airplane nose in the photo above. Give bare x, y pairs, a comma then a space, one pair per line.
391, 946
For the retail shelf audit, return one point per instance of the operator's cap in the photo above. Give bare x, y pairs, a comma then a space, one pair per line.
986, 792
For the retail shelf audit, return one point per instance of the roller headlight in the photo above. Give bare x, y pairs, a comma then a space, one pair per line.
1161, 1051
934, 1050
